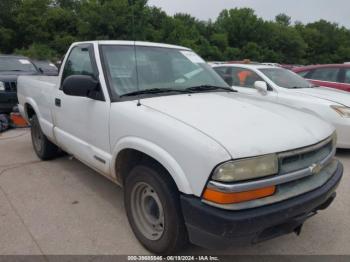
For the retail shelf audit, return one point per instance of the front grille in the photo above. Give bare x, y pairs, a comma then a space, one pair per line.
304, 158
11, 86
301, 170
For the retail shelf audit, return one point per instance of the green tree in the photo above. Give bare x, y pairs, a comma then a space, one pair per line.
252, 51
104, 20
8, 35
47, 27
38, 51
29, 21
283, 19
241, 25
327, 42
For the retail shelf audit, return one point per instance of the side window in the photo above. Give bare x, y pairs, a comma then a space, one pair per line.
221, 70
326, 74
347, 76
225, 73
78, 63
303, 73
245, 77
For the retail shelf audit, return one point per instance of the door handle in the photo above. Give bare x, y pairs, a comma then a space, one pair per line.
58, 102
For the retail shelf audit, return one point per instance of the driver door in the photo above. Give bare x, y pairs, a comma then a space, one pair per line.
81, 123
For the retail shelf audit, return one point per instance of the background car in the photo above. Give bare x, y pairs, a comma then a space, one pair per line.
285, 87
10, 68
46, 67
334, 75
289, 67
271, 64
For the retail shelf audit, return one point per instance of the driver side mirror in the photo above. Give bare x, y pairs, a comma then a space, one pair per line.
82, 85
261, 86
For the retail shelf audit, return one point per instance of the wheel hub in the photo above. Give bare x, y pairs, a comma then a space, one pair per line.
37, 136
147, 211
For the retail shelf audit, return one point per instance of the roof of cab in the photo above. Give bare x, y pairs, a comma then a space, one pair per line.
311, 67
138, 43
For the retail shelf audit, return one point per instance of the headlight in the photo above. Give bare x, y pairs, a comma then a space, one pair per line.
245, 169
342, 110
2, 86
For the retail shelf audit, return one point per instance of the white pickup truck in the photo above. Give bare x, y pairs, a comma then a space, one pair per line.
198, 162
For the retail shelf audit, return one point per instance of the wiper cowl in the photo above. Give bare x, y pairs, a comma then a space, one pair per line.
201, 88
209, 88
154, 91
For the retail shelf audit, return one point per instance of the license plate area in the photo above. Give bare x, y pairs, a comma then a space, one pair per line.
294, 225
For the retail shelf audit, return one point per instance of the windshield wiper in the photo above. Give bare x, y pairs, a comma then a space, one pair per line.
154, 91
209, 88
172, 90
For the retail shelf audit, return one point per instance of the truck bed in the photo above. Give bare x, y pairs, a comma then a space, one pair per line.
40, 92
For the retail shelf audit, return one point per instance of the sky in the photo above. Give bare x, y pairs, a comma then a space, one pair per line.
300, 10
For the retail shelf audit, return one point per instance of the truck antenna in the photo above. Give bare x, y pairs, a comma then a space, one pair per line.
131, 3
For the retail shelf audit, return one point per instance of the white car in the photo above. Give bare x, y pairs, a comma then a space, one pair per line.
197, 160
272, 64
285, 87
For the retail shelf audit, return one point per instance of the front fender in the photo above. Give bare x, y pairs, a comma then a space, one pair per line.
159, 154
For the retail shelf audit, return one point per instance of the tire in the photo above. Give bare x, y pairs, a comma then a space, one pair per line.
43, 148
150, 192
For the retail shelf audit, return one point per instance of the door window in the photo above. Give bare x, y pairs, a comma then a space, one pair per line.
221, 70
326, 74
347, 76
78, 63
303, 73
225, 73
245, 77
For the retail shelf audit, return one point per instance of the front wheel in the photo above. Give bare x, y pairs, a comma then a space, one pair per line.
153, 209
43, 147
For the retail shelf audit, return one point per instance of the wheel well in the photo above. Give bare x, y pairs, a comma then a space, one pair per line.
29, 111
129, 158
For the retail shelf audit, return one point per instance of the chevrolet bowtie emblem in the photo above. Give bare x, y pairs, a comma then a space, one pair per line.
316, 168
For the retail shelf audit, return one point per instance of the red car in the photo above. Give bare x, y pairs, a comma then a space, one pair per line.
334, 75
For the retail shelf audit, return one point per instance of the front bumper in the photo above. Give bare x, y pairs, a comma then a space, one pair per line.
211, 227
7, 101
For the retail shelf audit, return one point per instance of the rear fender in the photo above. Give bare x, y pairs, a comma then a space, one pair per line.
46, 126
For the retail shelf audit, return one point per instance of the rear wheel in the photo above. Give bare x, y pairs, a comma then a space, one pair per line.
44, 148
153, 209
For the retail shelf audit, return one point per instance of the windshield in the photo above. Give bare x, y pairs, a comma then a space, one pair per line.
16, 64
285, 78
152, 68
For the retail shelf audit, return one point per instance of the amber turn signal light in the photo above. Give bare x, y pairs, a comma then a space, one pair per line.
237, 197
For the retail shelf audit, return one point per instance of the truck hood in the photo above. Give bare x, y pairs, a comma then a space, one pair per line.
7, 78
15, 74
243, 126
329, 94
